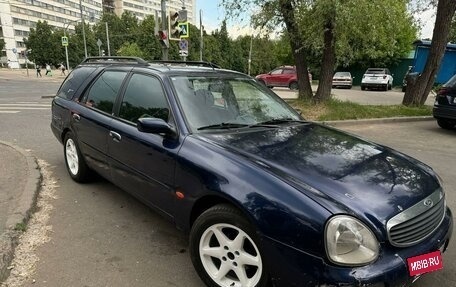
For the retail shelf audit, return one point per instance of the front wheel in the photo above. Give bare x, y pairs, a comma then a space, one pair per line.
75, 163
446, 124
225, 250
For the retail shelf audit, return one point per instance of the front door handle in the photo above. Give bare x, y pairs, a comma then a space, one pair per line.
115, 136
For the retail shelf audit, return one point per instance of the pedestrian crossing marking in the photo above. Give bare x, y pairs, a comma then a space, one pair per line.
16, 107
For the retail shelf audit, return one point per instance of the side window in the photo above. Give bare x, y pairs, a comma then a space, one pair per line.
73, 81
276, 72
144, 98
289, 71
103, 93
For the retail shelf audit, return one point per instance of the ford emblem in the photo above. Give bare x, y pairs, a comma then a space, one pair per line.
428, 202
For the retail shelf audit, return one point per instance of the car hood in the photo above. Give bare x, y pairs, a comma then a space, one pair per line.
342, 172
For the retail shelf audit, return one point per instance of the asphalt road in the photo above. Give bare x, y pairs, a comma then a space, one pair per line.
101, 236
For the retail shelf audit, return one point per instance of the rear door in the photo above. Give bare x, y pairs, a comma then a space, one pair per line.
92, 120
143, 163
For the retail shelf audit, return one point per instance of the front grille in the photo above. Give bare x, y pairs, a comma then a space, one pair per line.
417, 222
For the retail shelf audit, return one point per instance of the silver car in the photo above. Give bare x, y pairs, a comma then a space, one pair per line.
342, 79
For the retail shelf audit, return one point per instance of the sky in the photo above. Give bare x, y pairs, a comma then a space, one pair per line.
213, 15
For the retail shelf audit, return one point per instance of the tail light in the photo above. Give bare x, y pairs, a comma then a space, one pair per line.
442, 91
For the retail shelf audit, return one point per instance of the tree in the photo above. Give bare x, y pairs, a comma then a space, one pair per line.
147, 41
46, 47
419, 89
132, 49
452, 37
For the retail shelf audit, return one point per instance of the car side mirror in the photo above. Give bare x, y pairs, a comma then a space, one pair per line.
269, 73
155, 126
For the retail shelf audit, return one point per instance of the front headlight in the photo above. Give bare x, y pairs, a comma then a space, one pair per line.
350, 242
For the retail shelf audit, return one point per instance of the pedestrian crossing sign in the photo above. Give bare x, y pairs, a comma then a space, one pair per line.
64, 41
183, 28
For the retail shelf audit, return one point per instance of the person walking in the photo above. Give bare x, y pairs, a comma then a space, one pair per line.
38, 71
48, 70
62, 68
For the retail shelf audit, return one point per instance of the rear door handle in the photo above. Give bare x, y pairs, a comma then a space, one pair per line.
115, 136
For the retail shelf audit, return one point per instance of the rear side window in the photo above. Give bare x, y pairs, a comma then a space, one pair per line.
144, 98
451, 82
289, 71
102, 95
74, 81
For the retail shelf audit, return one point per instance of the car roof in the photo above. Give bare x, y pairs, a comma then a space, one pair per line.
163, 67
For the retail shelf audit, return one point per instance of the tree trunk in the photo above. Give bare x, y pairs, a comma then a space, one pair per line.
417, 92
328, 60
296, 43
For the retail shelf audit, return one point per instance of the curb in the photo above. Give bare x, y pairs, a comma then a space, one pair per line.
27, 203
376, 121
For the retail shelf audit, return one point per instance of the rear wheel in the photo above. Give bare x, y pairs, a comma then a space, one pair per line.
293, 86
75, 163
446, 124
385, 87
225, 250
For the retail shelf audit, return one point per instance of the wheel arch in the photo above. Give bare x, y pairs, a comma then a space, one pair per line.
208, 201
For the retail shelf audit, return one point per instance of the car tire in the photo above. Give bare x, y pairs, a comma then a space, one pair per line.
404, 89
293, 86
235, 249
74, 161
363, 88
333, 87
349, 87
446, 124
385, 88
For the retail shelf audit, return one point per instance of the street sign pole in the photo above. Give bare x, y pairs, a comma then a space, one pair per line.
66, 51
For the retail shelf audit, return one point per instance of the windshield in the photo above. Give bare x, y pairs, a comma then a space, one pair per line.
228, 102
451, 83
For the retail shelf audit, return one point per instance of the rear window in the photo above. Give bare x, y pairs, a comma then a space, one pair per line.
375, 71
74, 81
451, 82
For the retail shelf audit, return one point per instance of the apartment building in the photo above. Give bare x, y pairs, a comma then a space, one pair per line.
18, 16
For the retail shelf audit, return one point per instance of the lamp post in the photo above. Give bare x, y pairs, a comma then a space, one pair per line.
66, 47
83, 28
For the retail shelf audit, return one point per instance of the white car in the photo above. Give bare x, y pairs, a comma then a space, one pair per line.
379, 78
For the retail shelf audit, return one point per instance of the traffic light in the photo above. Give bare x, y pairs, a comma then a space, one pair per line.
174, 30
163, 37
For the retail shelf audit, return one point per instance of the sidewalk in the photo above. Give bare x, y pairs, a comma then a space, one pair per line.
6, 74
19, 182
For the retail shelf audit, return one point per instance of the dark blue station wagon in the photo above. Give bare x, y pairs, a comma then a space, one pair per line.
267, 198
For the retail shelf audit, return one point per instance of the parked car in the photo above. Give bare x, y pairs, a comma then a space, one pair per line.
284, 76
445, 105
342, 79
265, 196
378, 78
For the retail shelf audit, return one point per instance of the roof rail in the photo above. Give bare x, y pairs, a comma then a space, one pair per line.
188, 63
114, 59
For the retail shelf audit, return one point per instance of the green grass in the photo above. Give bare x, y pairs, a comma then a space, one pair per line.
21, 227
339, 110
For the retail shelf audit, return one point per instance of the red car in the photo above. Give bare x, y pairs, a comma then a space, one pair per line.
284, 76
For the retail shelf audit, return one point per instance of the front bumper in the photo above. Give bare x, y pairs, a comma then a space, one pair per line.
292, 267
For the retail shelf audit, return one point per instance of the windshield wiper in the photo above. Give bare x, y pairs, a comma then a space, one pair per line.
278, 121
222, 126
